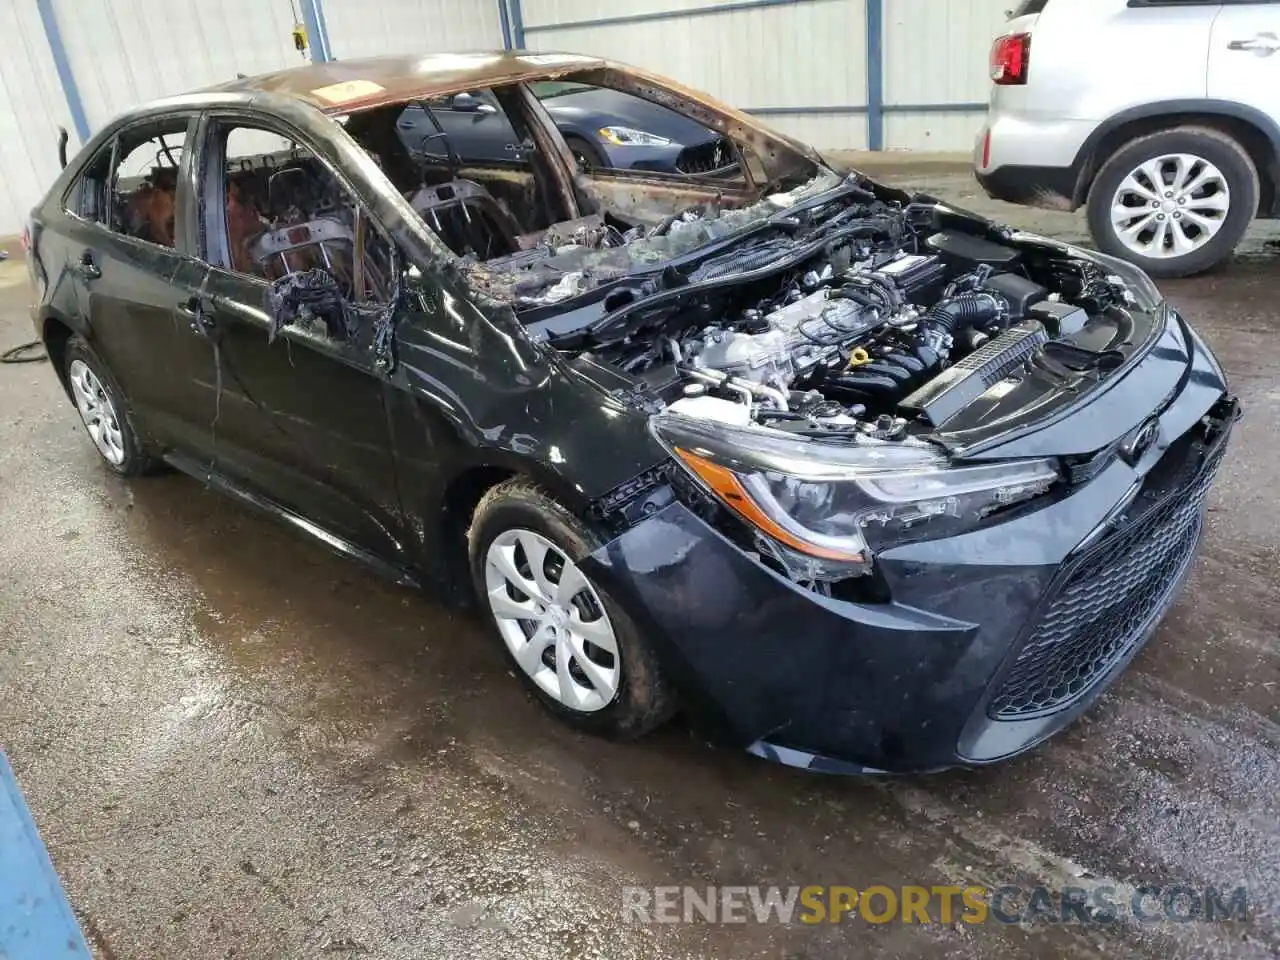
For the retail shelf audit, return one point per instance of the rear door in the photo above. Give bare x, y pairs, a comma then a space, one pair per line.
303, 420
1244, 56
135, 278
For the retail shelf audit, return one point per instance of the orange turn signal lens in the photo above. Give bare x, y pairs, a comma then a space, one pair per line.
729, 489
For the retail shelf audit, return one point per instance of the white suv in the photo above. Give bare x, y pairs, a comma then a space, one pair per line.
1163, 116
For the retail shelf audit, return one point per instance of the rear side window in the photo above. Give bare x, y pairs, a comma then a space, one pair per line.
1028, 7
131, 185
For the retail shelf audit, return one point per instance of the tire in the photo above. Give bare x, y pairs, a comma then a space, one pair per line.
517, 512
587, 155
104, 410
1179, 216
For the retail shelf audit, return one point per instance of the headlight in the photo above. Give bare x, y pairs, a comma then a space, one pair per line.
627, 136
833, 506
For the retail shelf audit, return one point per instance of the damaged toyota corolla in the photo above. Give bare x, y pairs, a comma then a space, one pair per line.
858, 480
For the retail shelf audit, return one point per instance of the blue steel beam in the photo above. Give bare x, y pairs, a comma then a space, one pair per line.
53, 34
517, 24
324, 30
317, 35
505, 19
875, 74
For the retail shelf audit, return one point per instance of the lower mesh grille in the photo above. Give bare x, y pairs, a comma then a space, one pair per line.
705, 157
1105, 603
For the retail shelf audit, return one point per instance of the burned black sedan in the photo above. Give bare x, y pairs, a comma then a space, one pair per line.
857, 480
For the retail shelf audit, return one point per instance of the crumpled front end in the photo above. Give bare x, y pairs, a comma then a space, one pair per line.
979, 645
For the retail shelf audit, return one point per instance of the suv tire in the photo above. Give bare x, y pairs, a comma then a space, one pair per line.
576, 651
1182, 158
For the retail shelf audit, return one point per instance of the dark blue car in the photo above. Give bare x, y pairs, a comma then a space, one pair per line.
604, 128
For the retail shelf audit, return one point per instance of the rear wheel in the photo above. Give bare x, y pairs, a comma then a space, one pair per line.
103, 410
571, 645
1175, 203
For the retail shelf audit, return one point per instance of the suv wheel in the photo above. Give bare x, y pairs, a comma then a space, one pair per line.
103, 410
1176, 203
571, 645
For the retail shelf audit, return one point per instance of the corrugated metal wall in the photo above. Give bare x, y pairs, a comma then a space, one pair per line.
123, 52
360, 28
935, 52
801, 64
767, 58
31, 110
787, 59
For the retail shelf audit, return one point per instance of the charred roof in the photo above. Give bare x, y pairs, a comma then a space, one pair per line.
341, 86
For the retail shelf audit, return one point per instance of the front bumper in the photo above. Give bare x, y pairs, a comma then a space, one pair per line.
994, 640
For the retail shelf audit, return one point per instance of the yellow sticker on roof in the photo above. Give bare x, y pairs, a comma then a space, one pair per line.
347, 90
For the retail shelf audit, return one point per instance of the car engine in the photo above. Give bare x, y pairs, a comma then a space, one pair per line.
873, 318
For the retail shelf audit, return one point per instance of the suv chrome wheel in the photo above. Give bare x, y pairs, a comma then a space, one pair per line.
552, 620
1170, 206
98, 412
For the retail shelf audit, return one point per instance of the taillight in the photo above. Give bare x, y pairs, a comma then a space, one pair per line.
26, 240
1011, 59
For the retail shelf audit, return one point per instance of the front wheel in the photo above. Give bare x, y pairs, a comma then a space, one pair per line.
586, 155
1176, 203
571, 645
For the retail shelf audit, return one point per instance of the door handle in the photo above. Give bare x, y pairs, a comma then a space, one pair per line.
87, 268
1263, 45
404, 124
194, 311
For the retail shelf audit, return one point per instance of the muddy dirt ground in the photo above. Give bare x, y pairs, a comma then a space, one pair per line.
238, 745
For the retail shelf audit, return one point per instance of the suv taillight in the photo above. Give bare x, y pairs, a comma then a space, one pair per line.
1010, 59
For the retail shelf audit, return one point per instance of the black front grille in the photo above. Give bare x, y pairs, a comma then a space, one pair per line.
1106, 599
706, 157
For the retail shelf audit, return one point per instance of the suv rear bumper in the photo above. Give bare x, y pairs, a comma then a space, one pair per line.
1032, 161
1050, 187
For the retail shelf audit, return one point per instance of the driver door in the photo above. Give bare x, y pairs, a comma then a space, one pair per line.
302, 420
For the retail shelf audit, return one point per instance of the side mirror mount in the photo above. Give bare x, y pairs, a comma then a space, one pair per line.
470, 103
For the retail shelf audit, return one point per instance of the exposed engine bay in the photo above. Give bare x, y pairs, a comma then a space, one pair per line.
839, 314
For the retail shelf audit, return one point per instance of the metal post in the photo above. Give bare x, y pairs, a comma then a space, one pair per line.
875, 74
505, 18
70, 91
324, 30
517, 24
317, 36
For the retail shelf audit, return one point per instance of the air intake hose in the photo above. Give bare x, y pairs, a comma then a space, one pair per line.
946, 318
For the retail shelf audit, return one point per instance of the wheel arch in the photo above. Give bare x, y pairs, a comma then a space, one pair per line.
447, 534
55, 332
1257, 133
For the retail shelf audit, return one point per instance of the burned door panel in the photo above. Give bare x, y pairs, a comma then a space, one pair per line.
303, 419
